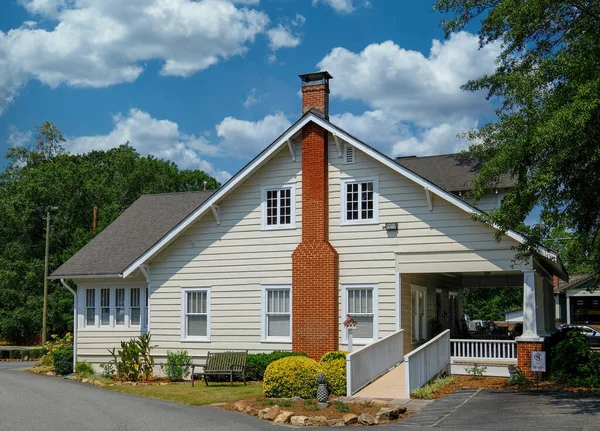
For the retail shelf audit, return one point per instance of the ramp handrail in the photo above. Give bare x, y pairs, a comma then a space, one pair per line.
426, 361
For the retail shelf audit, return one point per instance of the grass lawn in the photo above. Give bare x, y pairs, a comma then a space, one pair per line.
199, 395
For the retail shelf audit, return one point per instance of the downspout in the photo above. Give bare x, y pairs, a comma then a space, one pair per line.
145, 269
74, 292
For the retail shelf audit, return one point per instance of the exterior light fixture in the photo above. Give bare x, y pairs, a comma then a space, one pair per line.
390, 226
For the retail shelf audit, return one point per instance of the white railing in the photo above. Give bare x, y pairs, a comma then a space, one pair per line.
427, 361
504, 351
373, 360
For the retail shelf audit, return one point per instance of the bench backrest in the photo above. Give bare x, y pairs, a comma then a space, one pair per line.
225, 361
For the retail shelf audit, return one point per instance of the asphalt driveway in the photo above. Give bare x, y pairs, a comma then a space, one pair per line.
30, 402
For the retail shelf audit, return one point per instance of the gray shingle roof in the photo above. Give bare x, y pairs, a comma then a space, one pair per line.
143, 224
448, 172
575, 280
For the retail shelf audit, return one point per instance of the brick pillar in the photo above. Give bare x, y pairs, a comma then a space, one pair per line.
315, 316
524, 349
317, 97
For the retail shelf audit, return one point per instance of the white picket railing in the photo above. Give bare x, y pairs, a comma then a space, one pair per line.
425, 362
504, 351
373, 360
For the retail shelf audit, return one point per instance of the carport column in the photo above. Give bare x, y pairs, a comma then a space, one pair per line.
550, 308
531, 341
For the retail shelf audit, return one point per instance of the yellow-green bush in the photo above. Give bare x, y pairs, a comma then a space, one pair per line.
335, 370
331, 356
294, 376
54, 345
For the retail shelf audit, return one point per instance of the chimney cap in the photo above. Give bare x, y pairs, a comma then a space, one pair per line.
313, 78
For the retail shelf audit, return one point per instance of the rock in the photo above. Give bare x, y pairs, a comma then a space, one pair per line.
133, 383
99, 384
317, 421
85, 381
240, 406
283, 418
163, 384
389, 414
51, 373
263, 412
297, 399
379, 403
350, 418
272, 413
298, 420
119, 383
336, 423
367, 419
250, 411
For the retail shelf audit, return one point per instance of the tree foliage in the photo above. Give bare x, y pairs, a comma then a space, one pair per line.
546, 134
45, 175
491, 303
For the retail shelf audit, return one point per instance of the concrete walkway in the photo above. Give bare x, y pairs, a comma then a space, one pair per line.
390, 385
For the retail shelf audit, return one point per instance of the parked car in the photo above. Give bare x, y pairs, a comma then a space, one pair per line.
592, 334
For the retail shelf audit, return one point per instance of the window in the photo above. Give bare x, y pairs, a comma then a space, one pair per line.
134, 307
349, 154
195, 314
419, 313
120, 307
359, 201
361, 303
277, 313
90, 307
104, 307
110, 308
278, 208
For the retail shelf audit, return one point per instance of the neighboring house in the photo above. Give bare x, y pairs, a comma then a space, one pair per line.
514, 316
318, 226
578, 300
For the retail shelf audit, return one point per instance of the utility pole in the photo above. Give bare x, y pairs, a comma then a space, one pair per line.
45, 311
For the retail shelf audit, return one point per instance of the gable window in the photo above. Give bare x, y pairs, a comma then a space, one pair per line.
110, 308
278, 207
90, 307
134, 307
277, 313
419, 313
360, 302
349, 154
195, 325
359, 203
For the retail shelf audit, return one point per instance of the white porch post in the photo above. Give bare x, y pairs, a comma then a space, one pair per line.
550, 309
541, 305
569, 317
529, 308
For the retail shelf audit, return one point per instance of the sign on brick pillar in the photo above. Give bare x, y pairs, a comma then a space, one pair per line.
524, 350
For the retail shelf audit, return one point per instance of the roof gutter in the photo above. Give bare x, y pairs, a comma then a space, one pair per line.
76, 276
75, 313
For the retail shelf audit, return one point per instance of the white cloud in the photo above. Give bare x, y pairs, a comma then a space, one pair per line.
281, 37
299, 20
340, 6
18, 138
440, 139
161, 138
415, 88
241, 138
97, 43
254, 98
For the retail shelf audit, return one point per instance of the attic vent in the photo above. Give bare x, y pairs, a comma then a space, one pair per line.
349, 154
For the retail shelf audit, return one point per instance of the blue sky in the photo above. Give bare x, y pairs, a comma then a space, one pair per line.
208, 83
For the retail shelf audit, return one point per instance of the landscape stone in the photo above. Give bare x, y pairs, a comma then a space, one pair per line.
389, 414
250, 411
85, 381
119, 383
283, 418
51, 373
336, 423
272, 413
240, 406
297, 399
317, 421
350, 418
298, 420
379, 403
367, 419
263, 412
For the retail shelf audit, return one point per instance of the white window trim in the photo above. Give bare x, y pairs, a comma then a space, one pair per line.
343, 212
111, 327
263, 314
184, 336
263, 206
414, 288
375, 288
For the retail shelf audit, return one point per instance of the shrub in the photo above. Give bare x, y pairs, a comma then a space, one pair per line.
476, 370
53, 345
256, 364
342, 407
108, 370
33, 353
335, 370
63, 361
84, 369
332, 356
134, 361
427, 391
178, 366
14, 354
291, 377
571, 357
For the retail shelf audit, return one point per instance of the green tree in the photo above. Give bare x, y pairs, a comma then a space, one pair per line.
546, 134
45, 175
491, 303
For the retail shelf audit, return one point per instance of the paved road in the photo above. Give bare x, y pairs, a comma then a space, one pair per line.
31, 402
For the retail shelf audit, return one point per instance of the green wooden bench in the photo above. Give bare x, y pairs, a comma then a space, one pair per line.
222, 364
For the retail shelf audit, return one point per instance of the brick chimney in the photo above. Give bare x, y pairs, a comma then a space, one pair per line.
315, 92
315, 289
